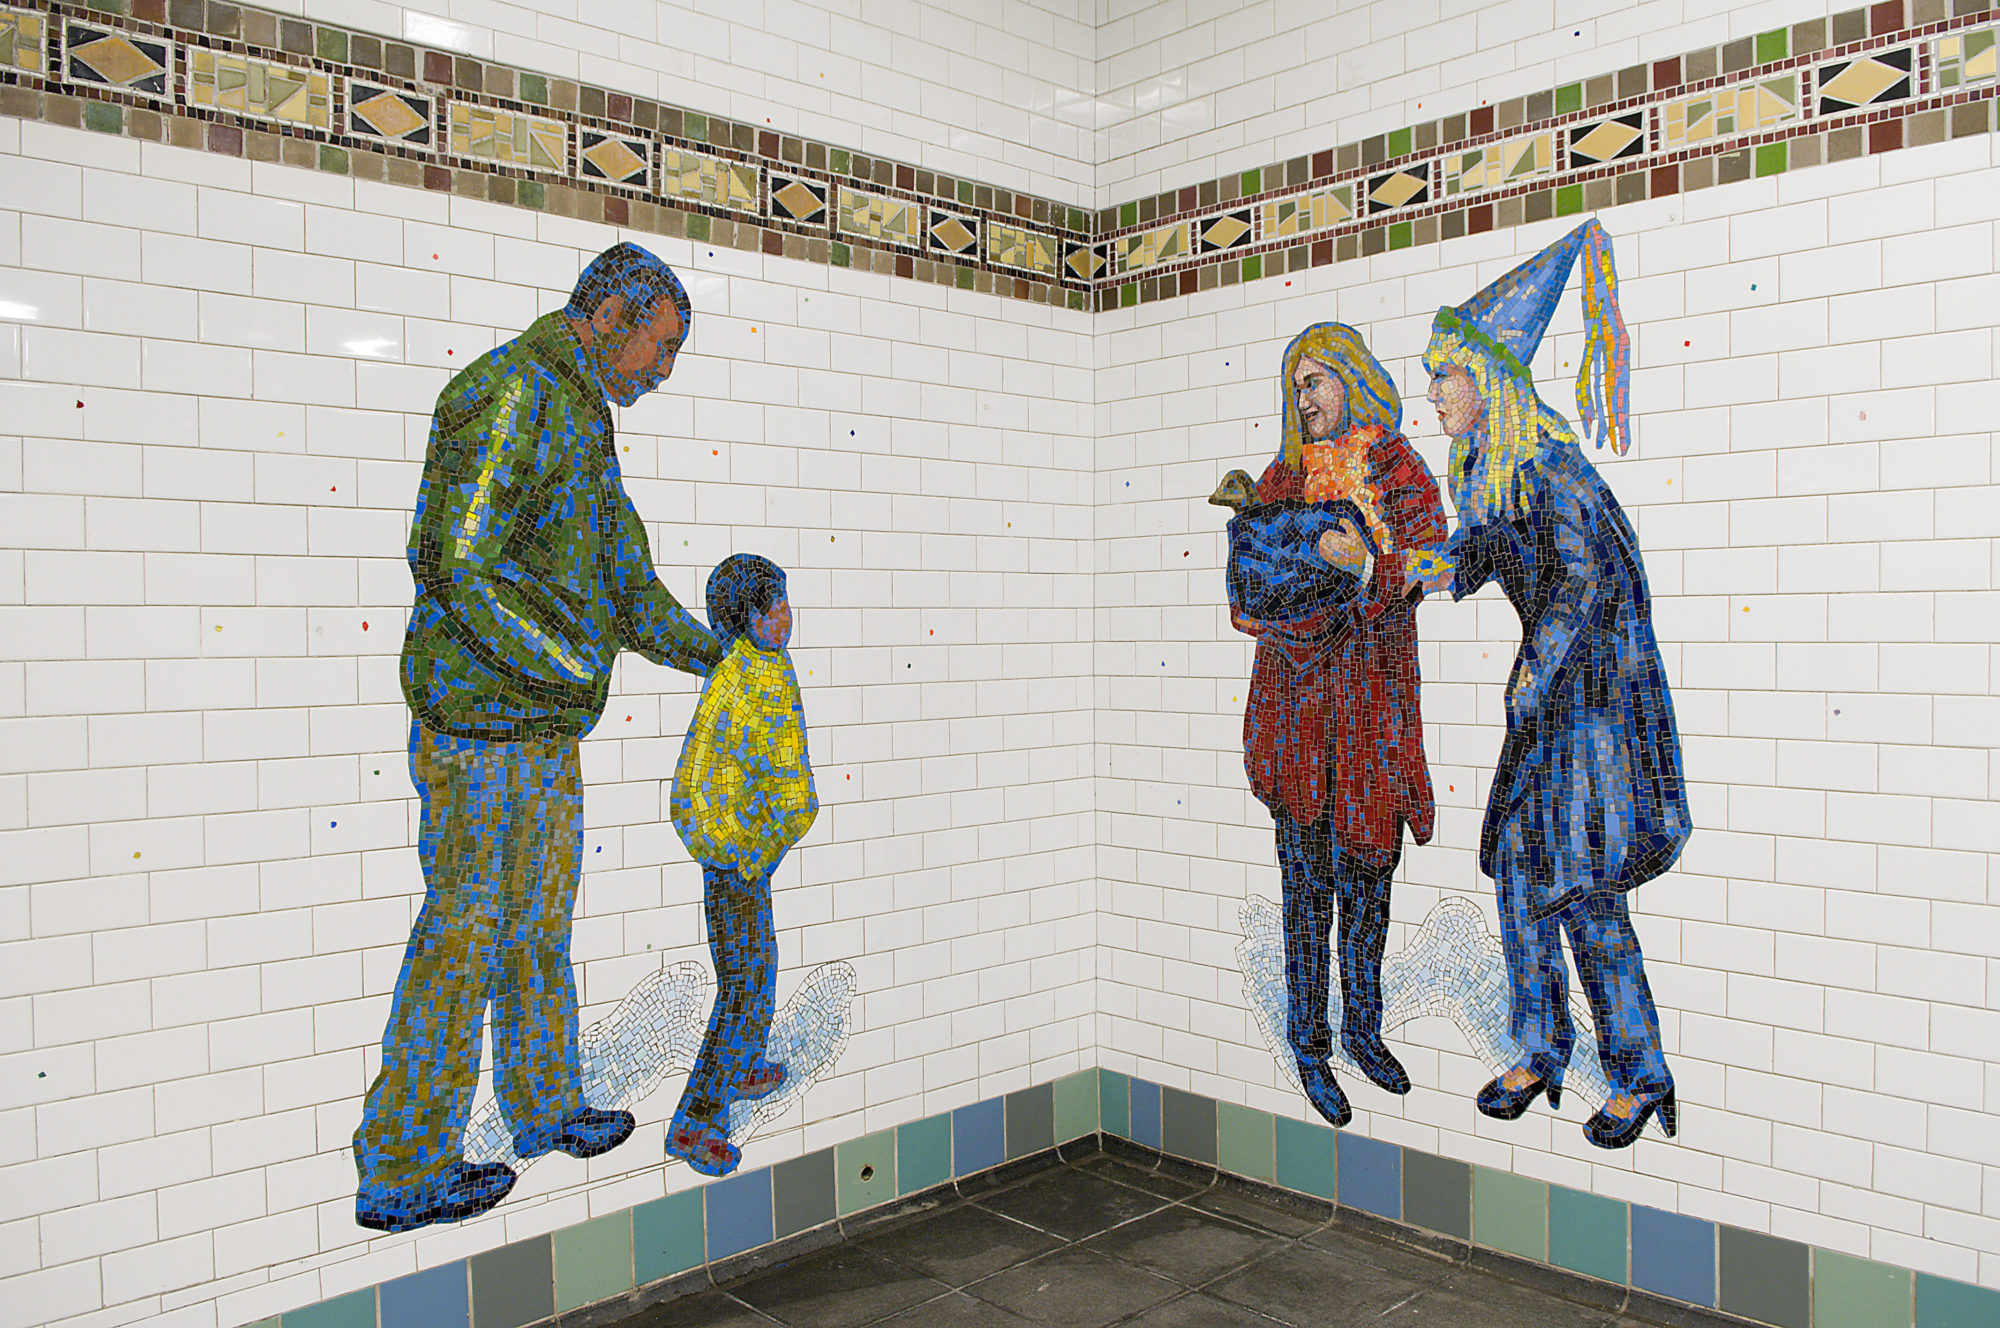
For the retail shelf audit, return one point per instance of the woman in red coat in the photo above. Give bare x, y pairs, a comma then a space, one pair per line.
1332, 737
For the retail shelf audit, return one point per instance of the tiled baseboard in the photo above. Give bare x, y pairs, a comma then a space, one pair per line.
1657, 1265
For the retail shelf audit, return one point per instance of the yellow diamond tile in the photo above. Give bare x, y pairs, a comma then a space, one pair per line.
1606, 141
1397, 189
1084, 262
1225, 231
390, 114
796, 199
116, 59
614, 157
1861, 82
953, 234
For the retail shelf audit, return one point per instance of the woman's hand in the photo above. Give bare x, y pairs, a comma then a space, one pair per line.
1421, 567
1344, 549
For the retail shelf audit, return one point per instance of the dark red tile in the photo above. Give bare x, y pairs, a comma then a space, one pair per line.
767, 143
1885, 136
1479, 220
906, 176
1885, 17
1190, 280
437, 67
1666, 74
774, 243
905, 265
617, 212
1666, 180
438, 178
226, 139
619, 107
1186, 200
1322, 163
1481, 121
1322, 254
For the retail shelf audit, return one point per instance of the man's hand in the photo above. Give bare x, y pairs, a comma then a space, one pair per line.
1423, 568
1345, 550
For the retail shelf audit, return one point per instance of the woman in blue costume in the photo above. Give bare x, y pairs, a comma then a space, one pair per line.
1588, 801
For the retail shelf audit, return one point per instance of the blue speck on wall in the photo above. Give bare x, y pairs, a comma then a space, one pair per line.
978, 1137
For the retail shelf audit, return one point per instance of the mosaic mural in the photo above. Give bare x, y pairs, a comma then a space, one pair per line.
1329, 553
532, 573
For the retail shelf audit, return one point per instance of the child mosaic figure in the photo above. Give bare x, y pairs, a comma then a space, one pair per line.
742, 796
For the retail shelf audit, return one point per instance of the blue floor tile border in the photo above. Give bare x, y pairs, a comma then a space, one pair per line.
1671, 1255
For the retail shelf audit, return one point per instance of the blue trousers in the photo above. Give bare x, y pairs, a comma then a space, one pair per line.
1606, 952
1320, 878
501, 847
744, 945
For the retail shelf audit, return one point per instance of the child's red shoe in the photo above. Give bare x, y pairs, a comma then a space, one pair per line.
761, 1080
705, 1148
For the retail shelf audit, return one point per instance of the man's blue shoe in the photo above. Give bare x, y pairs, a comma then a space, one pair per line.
464, 1191
1324, 1093
584, 1133
1379, 1064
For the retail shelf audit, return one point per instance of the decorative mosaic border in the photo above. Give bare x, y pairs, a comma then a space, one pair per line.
249, 83
245, 82
1866, 81
1605, 1249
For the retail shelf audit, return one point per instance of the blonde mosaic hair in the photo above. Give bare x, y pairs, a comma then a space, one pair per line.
1371, 395
1519, 424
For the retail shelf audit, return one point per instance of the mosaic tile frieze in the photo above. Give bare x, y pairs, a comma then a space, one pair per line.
1865, 80
952, 233
1019, 247
1727, 112
390, 115
1966, 59
24, 37
879, 217
259, 89
1302, 214
1231, 230
133, 63
507, 138
1154, 248
1084, 262
1613, 138
620, 159
697, 177
1495, 165
1406, 186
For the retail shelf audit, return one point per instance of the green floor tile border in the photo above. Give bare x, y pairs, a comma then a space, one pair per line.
1573, 1233
607, 1258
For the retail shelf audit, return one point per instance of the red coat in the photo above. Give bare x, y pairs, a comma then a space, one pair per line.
1345, 693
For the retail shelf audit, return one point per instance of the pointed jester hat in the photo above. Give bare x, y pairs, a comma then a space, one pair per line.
1508, 318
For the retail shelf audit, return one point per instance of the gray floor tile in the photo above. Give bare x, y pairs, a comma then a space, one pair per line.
704, 1309
1487, 1302
1072, 1204
961, 1244
838, 1288
1244, 1208
954, 1309
1142, 1178
1182, 1243
1073, 1288
1194, 1310
1303, 1285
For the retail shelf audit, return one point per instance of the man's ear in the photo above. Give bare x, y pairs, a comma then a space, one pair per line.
609, 316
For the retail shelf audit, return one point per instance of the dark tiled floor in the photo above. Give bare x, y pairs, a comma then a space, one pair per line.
1099, 1240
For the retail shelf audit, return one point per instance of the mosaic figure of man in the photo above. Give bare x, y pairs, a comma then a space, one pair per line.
532, 572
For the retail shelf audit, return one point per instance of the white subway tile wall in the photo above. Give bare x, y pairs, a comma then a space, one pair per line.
1814, 492
214, 435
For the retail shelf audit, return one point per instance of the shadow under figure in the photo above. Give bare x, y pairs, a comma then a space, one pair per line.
1332, 736
1588, 801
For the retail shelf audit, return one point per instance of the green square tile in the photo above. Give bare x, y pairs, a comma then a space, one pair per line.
1079, 220
1437, 1193
1076, 300
593, 1260
1569, 200
1308, 1161
1569, 98
1766, 1278
841, 254
1772, 159
802, 1193
333, 159
1510, 1213
964, 278
1031, 1121
534, 88
864, 1172
1114, 1103
1248, 1141
1773, 45
332, 45
967, 192
923, 1154
1253, 267
840, 161
698, 227
694, 127
1128, 214
1402, 235
1128, 295
513, 1285
1252, 182
667, 1236
1587, 1234
1942, 1303
1076, 1094
356, 1309
104, 117
529, 194
1399, 143
1858, 1293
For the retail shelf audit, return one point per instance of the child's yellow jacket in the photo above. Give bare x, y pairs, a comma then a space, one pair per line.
743, 792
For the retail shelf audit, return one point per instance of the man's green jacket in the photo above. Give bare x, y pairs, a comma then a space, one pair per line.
531, 565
